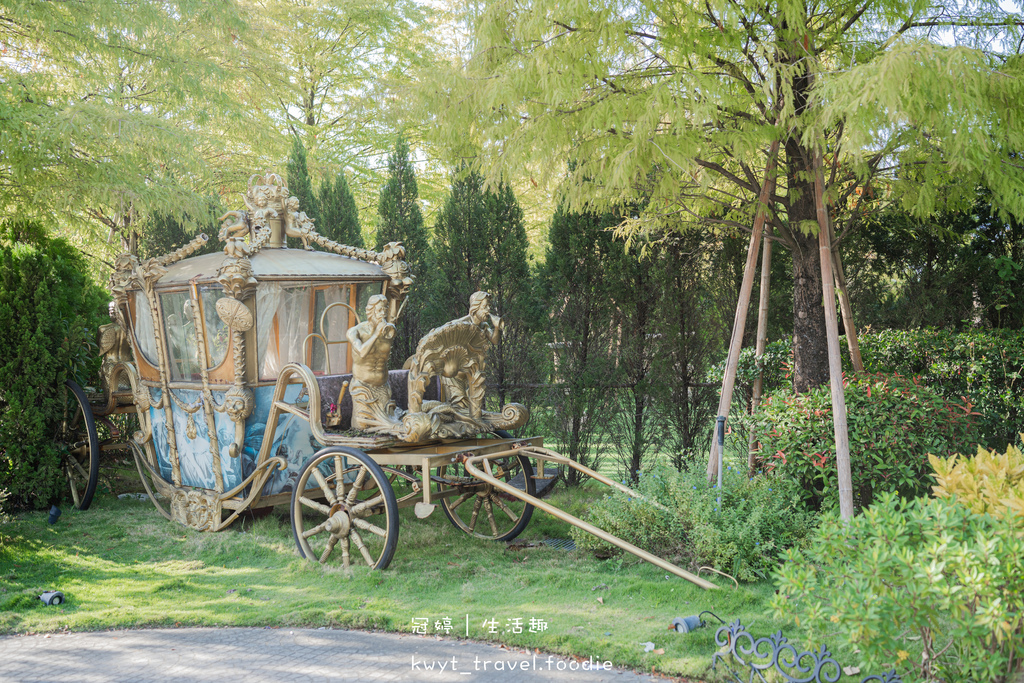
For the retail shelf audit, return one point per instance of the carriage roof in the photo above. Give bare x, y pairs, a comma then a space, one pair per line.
276, 264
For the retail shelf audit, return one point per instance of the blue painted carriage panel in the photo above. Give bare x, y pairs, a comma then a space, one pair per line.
293, 439
194, 455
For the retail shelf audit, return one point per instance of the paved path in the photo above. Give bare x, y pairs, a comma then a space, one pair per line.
227, 655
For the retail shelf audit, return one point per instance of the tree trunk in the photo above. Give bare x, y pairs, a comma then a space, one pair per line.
810, 345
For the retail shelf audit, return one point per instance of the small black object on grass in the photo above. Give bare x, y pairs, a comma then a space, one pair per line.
54, 514
52, 598
687, 624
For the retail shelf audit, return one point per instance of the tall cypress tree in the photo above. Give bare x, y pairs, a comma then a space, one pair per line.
480, 244
338, 215
579, 331
402, 221
299, 183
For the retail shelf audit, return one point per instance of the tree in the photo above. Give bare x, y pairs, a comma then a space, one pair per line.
338, 215
580, 332
480, 243
698, 92
114, 112
400, 220
299, 183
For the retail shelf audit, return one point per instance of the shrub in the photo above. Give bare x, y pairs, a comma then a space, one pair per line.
988, 482
759, 518
49, 313
926, 586
893, 423
984, 368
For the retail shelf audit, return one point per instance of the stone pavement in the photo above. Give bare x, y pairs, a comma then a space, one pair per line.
254, 655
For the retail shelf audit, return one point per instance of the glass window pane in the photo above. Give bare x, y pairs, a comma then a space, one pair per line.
283, 322
216, 331
335, 325
144, 330
179, 325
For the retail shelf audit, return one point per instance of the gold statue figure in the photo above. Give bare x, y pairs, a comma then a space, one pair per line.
371, 348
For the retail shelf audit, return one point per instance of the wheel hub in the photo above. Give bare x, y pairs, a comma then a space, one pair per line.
339, 523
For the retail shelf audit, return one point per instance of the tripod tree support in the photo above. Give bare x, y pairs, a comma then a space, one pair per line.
762, 339
844, 304
739, 322
835, 363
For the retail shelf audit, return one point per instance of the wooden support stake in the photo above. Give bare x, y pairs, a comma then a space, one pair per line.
739, 322
835, 362
844, 305
762, 339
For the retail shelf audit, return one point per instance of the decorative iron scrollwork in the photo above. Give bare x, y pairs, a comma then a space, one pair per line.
774, 652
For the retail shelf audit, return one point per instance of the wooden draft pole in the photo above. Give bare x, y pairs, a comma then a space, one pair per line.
739, 322
762, 338
835, 362
844, 303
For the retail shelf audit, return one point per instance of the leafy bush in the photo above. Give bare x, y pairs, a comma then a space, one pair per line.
988, 482
893, 423
925, 585
983, 368
759, 518
49, 313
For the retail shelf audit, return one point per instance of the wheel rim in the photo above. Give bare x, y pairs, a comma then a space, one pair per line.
76, 433
483, 511
343, 505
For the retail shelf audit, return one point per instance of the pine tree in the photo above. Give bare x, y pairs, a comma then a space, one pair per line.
402, 221
480, 244
338, 214
299, 183
580, 332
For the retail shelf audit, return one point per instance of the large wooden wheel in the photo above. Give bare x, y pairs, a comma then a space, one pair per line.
348, 509
77, 437
480, 509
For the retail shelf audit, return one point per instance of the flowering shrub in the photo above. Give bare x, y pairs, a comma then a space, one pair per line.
758, 518
893, 424
982, 367
926, 586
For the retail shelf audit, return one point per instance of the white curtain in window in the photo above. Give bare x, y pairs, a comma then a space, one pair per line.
292, 328
144, 333
268, 296
335, 326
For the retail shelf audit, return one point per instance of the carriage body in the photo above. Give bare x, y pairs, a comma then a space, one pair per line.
262, 375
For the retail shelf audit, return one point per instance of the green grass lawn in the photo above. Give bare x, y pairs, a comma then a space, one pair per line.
121, 565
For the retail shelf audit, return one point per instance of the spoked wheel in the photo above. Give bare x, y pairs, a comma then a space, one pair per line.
348, 509
76, 433
482, 510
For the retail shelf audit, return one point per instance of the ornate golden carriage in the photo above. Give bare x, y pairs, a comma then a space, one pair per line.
261, 376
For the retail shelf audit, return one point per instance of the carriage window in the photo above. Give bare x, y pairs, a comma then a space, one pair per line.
216, 331
282, 323
180, 327
335, 324
363, 294
143, 329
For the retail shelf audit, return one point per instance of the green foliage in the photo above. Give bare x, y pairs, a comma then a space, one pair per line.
893, 424
953, 270
400, 220
112, 112
989, 482
480, 243
338, 217
299, 184
163, 233
980, 369
925, 585
760, 518
49, 314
